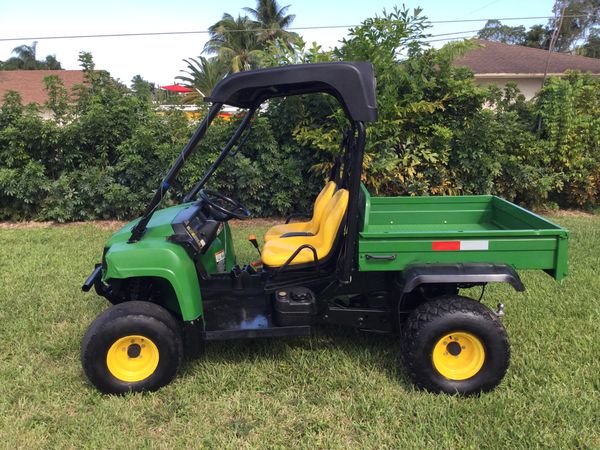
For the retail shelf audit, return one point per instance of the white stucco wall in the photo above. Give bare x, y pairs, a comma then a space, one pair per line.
528, 86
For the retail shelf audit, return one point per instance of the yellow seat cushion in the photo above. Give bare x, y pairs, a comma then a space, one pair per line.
277, 251
312, 226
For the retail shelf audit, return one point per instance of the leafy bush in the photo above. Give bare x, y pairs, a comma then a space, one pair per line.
104, 156
438, 133
569, 109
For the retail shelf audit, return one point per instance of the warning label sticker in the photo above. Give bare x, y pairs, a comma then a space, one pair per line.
220, 260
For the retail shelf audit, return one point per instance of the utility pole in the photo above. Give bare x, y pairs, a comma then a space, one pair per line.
550, 49
553, 43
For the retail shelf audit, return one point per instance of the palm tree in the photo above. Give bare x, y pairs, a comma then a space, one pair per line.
26, 56
202, 75
234, 41
272, 21
25, 59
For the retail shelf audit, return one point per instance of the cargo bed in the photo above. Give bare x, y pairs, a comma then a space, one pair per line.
401, 231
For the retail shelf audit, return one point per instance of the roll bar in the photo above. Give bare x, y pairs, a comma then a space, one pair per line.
138, 230
213, 167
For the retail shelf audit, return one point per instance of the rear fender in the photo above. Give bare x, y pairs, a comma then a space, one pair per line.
417, 275
157, 258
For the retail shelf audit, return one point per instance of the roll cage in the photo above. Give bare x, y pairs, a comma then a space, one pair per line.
351, 83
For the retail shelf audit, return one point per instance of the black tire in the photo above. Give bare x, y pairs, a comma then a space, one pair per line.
432, 321
153, 324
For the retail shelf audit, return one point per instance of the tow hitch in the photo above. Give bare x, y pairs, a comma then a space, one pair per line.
500, 311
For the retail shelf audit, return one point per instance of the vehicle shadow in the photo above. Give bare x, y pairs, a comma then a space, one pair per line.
365, 349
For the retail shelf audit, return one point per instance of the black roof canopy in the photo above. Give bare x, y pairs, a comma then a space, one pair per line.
352, 83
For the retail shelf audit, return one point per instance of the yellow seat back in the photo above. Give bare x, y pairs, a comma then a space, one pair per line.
333, 213
277, 251
320, 204
312, 226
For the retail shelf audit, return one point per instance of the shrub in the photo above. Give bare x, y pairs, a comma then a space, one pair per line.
438, 133
569, 109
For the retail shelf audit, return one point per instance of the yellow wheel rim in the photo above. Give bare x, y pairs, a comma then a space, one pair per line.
132, 358
458, 355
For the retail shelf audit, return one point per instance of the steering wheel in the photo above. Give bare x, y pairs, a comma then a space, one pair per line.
225, 205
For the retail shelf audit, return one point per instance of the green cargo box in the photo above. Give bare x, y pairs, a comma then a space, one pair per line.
402, 231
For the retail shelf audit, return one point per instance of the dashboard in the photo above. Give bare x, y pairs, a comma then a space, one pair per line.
194, 230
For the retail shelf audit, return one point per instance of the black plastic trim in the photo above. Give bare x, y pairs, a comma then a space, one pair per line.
352, 83
296, 234
192, 337
296, 253
352, 176
93, 278
272, 332
417, 275
391, 257
366, 319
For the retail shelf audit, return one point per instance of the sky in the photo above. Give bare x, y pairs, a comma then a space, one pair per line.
159, 59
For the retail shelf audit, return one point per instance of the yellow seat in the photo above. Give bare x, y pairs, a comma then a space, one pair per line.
312, 226
277, 251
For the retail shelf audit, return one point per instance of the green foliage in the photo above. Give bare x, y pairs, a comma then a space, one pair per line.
579, 18
25, 59
575, 22
234, 41
239, 42
267, 177
591, 48
538, 36
570, 113
272, 21
77, 166
105, 150
496, 151
438, 133
282, 53
422, 99
202, 75
142, 88
58, 98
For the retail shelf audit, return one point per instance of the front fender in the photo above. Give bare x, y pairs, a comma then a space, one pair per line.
158, 258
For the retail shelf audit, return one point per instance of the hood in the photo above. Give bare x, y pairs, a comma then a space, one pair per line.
159, 225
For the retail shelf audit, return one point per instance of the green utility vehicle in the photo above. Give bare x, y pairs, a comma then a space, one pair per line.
382, 265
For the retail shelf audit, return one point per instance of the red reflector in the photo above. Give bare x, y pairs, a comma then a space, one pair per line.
445, 246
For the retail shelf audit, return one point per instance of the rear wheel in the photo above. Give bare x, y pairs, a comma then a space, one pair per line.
132, 347
455, 345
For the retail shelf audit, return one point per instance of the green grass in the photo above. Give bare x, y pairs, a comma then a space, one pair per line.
337, 389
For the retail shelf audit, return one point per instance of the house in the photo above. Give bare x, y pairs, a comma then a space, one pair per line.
30, 84
497, 63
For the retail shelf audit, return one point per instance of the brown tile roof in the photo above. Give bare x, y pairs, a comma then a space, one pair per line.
497, 58
30, 83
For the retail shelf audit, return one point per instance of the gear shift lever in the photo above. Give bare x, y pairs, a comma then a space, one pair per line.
254, 242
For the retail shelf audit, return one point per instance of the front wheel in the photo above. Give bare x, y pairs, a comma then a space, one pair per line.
455, 345
132, 347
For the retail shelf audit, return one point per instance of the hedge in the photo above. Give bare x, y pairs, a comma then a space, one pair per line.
106, 149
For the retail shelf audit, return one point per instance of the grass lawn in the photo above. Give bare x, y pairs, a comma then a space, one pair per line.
337, 389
